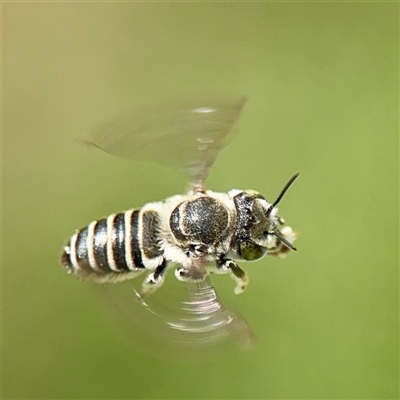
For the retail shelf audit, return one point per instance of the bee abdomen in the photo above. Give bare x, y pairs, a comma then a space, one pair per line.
106, 250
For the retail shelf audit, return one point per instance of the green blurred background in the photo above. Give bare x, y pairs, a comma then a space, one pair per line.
322, 79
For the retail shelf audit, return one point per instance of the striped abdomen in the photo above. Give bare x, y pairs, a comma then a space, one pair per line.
115, 248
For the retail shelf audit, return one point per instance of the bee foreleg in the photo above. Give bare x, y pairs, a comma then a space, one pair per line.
226, 265
154, 280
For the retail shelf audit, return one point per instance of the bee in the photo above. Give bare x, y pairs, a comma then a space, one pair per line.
202, 231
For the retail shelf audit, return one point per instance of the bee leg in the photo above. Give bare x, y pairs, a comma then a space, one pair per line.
182, 274
154, 280
189, 274
225, 265
197, 250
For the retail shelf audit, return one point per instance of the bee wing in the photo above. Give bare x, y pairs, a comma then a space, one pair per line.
185, 135
187, 320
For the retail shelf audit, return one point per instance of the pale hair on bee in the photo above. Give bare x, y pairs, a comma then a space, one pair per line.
201, 232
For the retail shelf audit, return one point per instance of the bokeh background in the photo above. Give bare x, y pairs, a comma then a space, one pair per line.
322, 82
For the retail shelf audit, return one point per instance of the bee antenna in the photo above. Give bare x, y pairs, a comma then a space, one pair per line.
271, 207
283, 239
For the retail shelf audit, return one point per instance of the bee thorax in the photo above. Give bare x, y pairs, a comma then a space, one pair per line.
200, 223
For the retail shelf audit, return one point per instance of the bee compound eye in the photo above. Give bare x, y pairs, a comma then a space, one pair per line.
251, 251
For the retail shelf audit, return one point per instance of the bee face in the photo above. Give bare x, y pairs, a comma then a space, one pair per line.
258, 227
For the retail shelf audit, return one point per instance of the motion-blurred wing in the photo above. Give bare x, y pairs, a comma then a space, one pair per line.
181, 319
185, 135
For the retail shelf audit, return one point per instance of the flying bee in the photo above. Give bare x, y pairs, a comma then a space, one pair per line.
202, 231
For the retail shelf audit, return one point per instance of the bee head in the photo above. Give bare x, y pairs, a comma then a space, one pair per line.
258, 228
